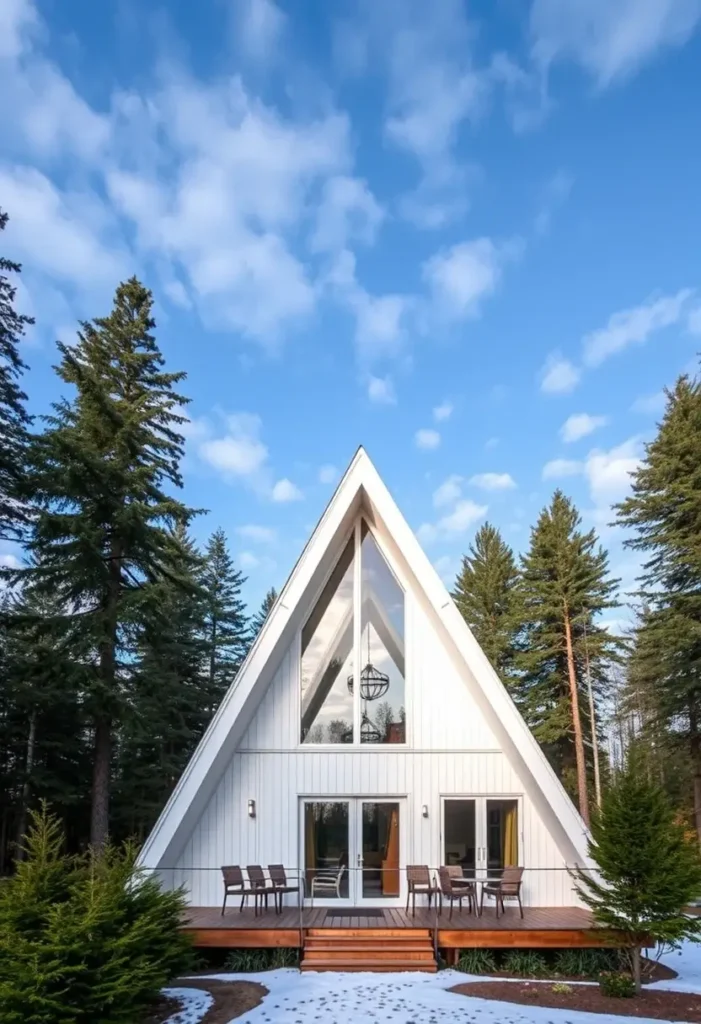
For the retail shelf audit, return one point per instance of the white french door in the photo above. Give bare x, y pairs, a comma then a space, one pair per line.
353, 851
481, 834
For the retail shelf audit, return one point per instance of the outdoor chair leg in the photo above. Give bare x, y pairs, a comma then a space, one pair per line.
408, 897
243, 900
450, 914
223, 906
520, 906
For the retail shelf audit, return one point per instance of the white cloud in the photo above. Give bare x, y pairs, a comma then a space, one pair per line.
443, 411
240, 451
580, 425
379, 319
257, 533
17, 19
260, 25
608, 472
448, 492
327, 474
650, 405
284, 491
347, 211
693, 321
461, 277
381, 391
427, 439
558, 376
633, 326
457, 522
247, 560
555, 194
610, 40
558, 468
9, 561
446, 567
493, 481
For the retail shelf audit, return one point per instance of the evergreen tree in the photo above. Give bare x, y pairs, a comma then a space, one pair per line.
486, 593
226, 626
100, 535
262, 613
649, 866
565, 584
664, 511
14, 420
168, 705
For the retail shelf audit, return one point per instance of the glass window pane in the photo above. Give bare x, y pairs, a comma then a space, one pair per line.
380, 850
326, 849
502, 835
381, 649
327, 659
459, 833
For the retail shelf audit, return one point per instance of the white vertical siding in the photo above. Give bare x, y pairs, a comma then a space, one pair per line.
451, 751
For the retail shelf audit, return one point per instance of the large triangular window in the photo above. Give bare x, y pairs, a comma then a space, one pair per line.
358, 620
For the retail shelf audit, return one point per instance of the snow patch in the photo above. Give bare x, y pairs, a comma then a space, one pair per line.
195, 1004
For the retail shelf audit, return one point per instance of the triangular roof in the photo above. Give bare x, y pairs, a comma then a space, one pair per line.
360, 488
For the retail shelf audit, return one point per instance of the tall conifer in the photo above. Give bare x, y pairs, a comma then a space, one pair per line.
14, 420
565, 584
225, 622
263, 612
106, 467
664, 511
486, 593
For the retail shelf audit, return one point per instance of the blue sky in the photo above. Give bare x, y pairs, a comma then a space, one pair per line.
464, 235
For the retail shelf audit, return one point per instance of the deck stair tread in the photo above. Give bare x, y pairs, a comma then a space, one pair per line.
362, 950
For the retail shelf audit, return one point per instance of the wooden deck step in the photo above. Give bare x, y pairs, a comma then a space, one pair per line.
348, 949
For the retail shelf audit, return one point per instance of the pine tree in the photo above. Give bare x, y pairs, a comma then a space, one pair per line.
102, 469
565, 584
486, 593
649, 867
226, 625
168, 703
664, 511
14, 420
262, 613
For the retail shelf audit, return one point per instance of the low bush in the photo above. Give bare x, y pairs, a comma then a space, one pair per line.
617, 984
525, 963
249, 961
477, 961
84, 938
560, 988
586, 963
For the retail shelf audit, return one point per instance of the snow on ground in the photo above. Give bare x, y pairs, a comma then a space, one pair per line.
331, 998
687, 963
195, 1004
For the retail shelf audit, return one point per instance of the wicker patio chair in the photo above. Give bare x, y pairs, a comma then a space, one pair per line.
455, 888
234, 885
280, 884
507, 888
418, 880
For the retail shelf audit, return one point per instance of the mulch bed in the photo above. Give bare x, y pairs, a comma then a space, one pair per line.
653, 970
231, 999
655, 1004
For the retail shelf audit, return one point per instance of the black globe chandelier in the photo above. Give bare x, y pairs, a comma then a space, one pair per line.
373, 685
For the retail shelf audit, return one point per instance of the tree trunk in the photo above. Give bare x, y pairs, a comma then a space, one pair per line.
635, 958
577, 724
100, 810
26, 787
592, 719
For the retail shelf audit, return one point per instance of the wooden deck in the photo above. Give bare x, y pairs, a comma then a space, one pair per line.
541, 927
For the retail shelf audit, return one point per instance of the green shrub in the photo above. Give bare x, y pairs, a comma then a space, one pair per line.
617, 984
561, 989
477, 961
247, 961
525, 963
586, 963
84, 939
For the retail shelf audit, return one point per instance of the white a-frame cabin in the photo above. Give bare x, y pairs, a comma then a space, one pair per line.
365, 732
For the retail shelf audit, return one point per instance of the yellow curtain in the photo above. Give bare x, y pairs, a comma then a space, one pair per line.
390, 863
510, 851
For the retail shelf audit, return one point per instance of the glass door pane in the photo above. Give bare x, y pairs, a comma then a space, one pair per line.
326, 844
502, 835
460, 834
380, 852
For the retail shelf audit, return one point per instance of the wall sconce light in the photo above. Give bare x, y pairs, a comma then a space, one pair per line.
251, 808
424, 811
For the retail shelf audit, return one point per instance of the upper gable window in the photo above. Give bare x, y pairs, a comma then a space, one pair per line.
357, 620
